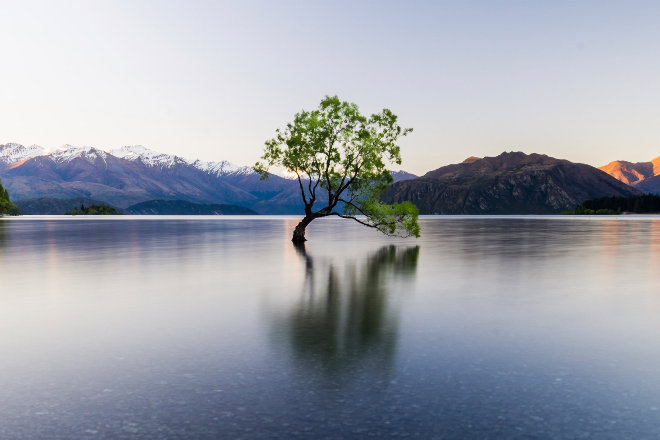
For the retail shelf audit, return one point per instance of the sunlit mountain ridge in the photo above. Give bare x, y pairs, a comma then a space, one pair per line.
642, 175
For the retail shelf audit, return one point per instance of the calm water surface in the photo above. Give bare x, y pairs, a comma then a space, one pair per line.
205, 328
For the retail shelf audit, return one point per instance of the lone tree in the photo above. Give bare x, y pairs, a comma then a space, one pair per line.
339, 158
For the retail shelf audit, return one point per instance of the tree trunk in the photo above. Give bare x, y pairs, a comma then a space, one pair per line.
299, 232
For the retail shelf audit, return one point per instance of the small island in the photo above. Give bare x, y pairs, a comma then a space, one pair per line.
94, 210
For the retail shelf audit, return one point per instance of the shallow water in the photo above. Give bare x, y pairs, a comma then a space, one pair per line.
217, 327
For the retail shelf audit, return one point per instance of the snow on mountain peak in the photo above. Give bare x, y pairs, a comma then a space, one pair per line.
67, 153
11, 152
215, 168
147, 156
155, 159
133, 151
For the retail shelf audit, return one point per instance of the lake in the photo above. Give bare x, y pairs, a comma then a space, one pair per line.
218, 327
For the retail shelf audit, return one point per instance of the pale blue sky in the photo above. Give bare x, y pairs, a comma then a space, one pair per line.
213, 80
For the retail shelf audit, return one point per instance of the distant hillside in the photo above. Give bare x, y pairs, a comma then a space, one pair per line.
511, 183
52, 206
182, 207
642, 175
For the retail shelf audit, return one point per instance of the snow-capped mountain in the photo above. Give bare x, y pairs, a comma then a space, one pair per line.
135, 174
161, 160
67, 153
222, 168
148, 157
12, 153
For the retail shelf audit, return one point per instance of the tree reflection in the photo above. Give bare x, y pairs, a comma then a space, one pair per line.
344, 320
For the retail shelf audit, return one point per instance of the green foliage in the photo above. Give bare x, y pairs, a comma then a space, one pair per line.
6, 206
398, 219
93, 210
340, 157
645, 204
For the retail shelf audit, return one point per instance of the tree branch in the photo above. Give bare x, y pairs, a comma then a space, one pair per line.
372, 225
312, 193
302, 190
351, 180
331, 142
354, 218
353, 205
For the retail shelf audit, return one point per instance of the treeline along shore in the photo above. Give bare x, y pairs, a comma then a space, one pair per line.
644, 204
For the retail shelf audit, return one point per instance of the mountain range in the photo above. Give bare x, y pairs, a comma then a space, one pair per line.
135, 174
511, 183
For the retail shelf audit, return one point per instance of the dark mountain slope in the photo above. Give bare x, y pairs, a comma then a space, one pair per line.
650, 185
511, 183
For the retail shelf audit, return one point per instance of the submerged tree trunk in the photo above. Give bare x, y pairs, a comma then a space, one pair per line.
299, 232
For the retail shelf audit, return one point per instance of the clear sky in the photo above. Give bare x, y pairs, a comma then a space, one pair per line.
578, 80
